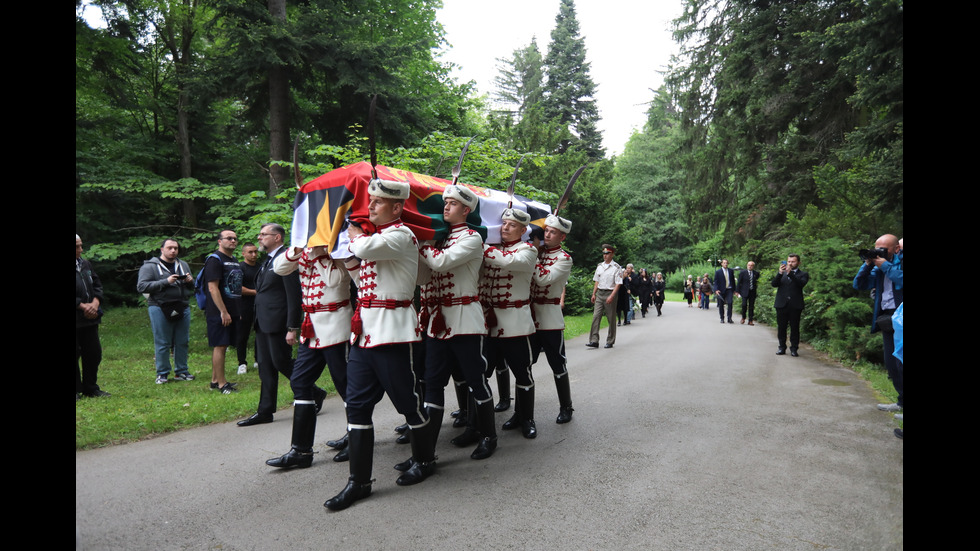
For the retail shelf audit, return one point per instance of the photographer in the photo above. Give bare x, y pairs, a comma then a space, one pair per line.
789, 282
882, 272
168, 285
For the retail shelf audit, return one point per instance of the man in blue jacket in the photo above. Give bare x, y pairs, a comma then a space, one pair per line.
883, 273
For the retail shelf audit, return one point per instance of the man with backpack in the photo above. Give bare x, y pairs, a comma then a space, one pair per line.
222, 309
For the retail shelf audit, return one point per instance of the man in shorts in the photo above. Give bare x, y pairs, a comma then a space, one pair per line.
223, 275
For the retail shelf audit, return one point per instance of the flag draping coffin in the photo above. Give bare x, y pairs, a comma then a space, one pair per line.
324, 205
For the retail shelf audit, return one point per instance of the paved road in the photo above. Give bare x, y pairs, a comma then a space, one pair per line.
688, 434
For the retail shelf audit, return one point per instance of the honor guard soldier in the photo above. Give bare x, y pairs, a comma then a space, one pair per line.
385, 329
323, 337
547, 286
507, 271
456, 325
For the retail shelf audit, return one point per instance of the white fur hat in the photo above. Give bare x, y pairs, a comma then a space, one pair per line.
518, 216
563, 225
461, 194
388, 189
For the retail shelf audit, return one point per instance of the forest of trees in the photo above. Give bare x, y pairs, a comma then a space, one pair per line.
779, 129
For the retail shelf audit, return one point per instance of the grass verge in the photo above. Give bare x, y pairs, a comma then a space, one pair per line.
139, 408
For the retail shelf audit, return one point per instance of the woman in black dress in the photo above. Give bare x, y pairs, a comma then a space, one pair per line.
689, 291
659, 288
625, 296
644, 290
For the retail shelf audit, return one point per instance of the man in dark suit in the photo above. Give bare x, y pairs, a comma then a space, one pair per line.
789, 283
748, 283
725, 290
278, 315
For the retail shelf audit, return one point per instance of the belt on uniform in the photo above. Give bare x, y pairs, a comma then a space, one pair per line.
451, 301
306, 330
511, 304
386, 304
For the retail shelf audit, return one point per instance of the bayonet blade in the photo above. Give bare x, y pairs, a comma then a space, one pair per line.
513, 182
370, 132
296, 174
459, 164
568, 189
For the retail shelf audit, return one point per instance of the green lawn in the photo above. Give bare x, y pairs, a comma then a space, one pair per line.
140, 408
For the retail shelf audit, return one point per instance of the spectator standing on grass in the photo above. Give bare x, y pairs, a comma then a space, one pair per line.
167, 284
222, 311
883, 273
88, 316
250, 269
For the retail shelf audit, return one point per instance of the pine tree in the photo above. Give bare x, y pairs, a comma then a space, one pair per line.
569, 92
517, 117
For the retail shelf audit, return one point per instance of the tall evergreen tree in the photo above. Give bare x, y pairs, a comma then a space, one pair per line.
648, 183
520, 81
569, 92
769, 90
518, 117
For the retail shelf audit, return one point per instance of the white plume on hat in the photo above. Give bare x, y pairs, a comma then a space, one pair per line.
388, 189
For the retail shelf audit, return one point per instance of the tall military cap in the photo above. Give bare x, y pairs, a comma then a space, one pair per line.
388, 189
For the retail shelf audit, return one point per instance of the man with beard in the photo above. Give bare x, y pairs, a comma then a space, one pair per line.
167, 284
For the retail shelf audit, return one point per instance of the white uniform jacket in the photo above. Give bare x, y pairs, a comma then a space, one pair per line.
386, 286
550, 276
506, 286
452, 295
325, 284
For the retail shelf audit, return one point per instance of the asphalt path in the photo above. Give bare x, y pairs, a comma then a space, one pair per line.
688, 434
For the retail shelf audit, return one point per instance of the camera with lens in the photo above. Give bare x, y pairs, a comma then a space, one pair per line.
871, 254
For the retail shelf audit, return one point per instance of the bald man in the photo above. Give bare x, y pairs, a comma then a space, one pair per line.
882, 272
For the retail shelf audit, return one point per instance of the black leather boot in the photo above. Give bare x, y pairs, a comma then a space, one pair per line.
515, 420
361, 461
472, 434
525, 404
503, 389
301, 453
435, 416
339, 443
462, 397
423, 454
564, 398
488, 431
295, 457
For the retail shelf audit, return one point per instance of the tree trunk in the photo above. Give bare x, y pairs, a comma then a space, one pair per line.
278, 112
